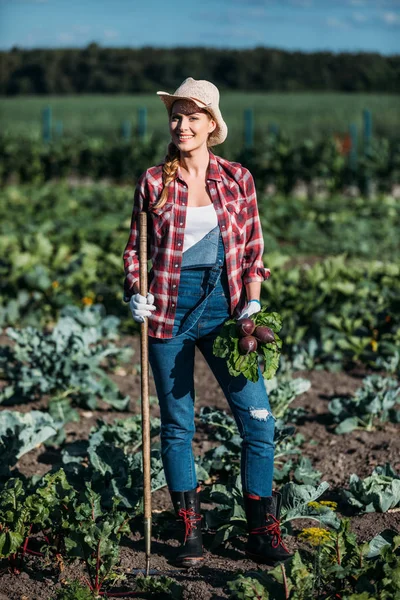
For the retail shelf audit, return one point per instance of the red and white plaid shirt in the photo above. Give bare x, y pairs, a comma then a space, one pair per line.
233, 194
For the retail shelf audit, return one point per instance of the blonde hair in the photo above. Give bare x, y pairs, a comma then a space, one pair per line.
170, 169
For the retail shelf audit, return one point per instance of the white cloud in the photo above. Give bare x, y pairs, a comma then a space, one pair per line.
110, 34
391, 18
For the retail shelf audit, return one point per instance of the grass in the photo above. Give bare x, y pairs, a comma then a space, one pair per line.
299, 115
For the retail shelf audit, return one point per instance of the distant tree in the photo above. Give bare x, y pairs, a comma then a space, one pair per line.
95, 69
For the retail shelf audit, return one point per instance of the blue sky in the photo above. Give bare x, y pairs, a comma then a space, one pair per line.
308, 25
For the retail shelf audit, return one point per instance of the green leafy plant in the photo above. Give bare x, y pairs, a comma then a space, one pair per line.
56, 499
379, 492
20, 433
343, 568
67, 361
96, 536
291, 580
74, 590
336, 567
347, 306
162, 587
374, 401
298, 502
282, 390
226, 345
26, 507
111, 462
15, 521
246, 587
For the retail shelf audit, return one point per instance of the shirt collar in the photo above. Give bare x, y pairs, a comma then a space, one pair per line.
212, 171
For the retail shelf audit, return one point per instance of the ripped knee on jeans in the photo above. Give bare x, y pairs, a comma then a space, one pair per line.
260, 414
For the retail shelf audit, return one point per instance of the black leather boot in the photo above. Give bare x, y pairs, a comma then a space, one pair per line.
187, 509
264, 543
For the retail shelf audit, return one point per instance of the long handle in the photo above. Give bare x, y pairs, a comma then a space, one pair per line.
144, 361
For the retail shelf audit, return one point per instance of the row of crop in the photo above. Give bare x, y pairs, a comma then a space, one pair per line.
61, 246
73, 512
334, 567
66, 525
274, 160
69, 365
335, 313
99, 215
51, 518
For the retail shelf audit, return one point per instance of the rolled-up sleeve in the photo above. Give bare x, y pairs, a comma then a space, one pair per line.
252, 265
131, 252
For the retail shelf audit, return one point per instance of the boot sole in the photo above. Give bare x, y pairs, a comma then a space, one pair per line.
189, 562
263, 559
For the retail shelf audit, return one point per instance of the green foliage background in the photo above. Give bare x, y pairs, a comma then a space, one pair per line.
129, 70
299, 114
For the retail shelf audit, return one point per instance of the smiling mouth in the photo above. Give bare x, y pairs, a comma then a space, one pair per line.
185, 138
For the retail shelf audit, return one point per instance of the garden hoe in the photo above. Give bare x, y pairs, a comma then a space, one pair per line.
144, 362
144, 367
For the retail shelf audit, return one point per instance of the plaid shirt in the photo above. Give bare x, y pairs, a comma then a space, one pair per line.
233, 194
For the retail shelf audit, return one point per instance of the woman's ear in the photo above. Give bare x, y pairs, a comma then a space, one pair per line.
212, 126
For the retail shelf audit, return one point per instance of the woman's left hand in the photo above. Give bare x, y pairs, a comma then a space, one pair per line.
252, 307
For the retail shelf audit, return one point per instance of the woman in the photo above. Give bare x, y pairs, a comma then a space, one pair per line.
206, 249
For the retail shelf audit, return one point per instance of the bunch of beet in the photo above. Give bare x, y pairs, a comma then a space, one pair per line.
251, 336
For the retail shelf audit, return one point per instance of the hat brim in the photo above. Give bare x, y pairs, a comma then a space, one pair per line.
221, 131
169, 99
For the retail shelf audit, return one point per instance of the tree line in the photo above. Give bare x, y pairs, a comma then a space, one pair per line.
95, 69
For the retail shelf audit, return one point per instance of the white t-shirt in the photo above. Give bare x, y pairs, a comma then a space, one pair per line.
200, 220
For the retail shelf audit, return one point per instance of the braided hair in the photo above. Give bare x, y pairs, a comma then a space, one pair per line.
170, 169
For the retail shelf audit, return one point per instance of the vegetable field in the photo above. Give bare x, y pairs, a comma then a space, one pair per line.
299, 114
70, 442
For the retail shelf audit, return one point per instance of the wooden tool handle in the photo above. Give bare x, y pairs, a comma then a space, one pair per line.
144, 361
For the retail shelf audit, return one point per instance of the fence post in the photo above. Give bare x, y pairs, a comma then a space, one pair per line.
353, 147
46, 124
273, 128
58, 128
142, 123
249, 128
126, 130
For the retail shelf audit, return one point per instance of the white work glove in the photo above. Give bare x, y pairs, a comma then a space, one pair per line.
141, 307
251, 308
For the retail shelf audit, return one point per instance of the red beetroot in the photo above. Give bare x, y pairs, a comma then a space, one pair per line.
245, 327
247, 344
263, 334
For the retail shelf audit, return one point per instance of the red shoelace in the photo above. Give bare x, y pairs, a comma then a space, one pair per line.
272, 529
190, 518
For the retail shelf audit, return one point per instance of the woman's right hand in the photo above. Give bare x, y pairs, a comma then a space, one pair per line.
141, 307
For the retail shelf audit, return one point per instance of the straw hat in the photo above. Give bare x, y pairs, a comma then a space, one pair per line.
206, 95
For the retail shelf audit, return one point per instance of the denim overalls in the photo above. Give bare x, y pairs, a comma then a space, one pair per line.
202, 308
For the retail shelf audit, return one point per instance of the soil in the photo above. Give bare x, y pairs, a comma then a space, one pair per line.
336, 456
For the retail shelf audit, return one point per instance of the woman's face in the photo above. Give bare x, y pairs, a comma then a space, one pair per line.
189, 125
